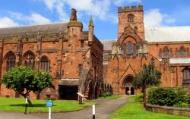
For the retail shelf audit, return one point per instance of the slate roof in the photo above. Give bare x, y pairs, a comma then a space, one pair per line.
108, 44
167, 34
59, 27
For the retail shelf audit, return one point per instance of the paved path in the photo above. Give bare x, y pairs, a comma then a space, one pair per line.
103, 109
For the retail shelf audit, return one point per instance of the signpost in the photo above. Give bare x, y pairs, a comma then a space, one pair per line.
49, 104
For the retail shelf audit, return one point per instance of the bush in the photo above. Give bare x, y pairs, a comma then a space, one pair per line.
182, 104
162, 97
188, 99
181, 96
139, 98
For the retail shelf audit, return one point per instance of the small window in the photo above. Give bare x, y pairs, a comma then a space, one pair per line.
82, 43
131, 18
44, 64
80, 68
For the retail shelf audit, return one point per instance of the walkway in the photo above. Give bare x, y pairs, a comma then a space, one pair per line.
103, 109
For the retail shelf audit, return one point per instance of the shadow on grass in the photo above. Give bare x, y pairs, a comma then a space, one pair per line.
33, 105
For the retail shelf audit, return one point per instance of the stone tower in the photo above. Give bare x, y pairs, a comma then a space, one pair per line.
131, 16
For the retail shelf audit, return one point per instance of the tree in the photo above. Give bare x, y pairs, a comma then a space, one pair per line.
42, 80
25, 80
147, 76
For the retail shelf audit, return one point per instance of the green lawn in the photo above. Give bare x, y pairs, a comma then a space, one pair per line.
134, 110
111, 97
17, 105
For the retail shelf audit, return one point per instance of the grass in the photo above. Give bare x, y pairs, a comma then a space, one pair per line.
17, 105
134, 110
112, 97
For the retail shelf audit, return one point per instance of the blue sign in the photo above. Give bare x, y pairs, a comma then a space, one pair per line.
49, 103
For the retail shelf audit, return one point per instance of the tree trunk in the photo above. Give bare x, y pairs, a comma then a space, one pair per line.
28, 99
38, 95
144, 96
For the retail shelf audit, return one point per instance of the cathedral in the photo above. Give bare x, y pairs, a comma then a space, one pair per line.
73, 57
80, 63
136, 45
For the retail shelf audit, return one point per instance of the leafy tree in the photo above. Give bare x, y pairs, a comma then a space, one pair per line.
25, 80
42, 80
147, 76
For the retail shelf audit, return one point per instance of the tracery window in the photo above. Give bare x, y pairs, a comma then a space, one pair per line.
131, 18
130, 48
11, 60
44, 64
29, 59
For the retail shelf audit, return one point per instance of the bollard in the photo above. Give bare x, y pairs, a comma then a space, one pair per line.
26, 106
49, 104
49, 116
93, 112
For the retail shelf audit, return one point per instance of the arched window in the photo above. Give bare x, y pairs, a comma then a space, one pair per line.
29, 59
11, 60
182, 52
44, 64
130, 48
166, 53
131, 18
186, 74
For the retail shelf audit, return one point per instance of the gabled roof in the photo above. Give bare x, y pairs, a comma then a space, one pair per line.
167, 34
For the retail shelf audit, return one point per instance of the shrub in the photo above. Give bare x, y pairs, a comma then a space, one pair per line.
182, 104
162, 97
188, 99
181, 95
139, 98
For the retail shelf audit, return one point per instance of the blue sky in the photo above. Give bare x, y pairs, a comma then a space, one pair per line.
32, 12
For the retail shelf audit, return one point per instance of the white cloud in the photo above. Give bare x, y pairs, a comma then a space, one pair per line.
36, 18
122, 2
32, 19
97, 8
7, 22
154, 18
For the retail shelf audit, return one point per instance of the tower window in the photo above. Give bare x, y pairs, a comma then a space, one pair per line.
131, 18
165, 53
130, 48
182, 52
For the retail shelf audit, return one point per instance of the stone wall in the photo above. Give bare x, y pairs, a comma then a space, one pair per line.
168, 110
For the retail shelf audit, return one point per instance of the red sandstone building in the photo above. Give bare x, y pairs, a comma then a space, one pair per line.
72, 56
168, 47
78, 63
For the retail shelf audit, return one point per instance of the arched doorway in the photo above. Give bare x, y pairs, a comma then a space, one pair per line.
127, 84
